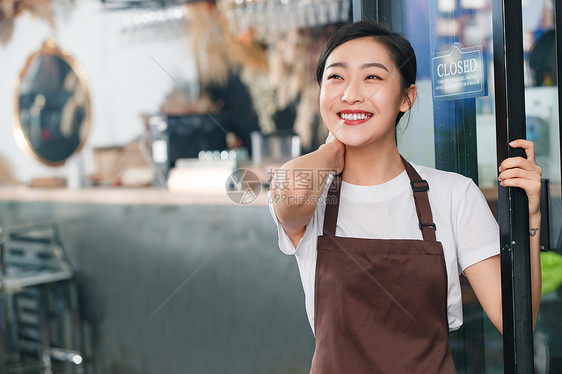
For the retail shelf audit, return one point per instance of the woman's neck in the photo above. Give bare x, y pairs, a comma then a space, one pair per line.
371, 165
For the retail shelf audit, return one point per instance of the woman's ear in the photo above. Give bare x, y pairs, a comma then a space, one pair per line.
409, 98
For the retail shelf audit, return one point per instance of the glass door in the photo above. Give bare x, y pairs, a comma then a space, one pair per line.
458, 113
454, 126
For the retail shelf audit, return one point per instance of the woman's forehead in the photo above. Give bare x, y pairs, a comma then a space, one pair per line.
360, 51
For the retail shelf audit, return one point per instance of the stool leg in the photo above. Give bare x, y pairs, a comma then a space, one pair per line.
45, 336
3, 333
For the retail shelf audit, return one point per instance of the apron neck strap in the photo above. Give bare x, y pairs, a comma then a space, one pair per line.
421, 200
332, 205
423, 209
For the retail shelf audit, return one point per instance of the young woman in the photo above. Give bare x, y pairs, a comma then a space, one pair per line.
380, 243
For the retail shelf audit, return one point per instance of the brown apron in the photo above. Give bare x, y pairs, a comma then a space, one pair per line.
381, 304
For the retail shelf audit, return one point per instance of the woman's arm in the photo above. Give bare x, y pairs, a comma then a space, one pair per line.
294, 199
485, 276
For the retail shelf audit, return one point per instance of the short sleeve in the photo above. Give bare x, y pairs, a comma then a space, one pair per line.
477, 229
285, 243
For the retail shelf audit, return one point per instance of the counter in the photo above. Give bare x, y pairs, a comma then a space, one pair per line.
143, 196
175, 284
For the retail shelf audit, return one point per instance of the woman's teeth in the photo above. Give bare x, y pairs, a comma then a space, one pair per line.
355, 116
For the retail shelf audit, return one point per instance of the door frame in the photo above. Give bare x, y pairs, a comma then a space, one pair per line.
513, 210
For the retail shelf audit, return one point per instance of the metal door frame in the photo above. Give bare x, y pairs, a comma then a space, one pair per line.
513, 212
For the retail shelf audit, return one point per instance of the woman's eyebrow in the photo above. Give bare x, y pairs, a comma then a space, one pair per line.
364, 66
374, 64
337, 65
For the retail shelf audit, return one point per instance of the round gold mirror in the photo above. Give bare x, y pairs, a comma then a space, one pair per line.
52, 106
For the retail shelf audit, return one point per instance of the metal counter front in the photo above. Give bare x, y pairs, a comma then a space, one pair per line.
178, 288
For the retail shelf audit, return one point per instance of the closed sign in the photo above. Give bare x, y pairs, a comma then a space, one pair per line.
459, 73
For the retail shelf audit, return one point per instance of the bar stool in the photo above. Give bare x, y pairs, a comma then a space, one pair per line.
39, 314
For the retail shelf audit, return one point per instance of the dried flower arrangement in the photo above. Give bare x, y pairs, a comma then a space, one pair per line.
11, 9
217, 51
278, 71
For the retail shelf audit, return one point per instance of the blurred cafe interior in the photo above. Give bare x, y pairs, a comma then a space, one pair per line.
126, 128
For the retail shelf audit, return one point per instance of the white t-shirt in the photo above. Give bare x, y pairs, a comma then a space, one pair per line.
465, 225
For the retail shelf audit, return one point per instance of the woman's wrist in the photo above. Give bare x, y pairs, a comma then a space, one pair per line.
534, 224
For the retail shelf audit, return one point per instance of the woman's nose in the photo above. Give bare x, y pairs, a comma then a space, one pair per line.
352, 94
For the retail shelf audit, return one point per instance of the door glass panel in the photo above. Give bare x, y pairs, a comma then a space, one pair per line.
459, 135
543, 127
456, 134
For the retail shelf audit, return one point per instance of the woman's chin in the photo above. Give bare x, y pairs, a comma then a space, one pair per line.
352, 142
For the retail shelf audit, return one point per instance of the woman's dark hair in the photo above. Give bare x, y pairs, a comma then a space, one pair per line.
399, 49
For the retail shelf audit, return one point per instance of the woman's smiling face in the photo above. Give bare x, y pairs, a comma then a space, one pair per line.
361, 93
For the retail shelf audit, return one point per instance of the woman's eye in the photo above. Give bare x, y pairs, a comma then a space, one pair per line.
334, 76
372, 77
